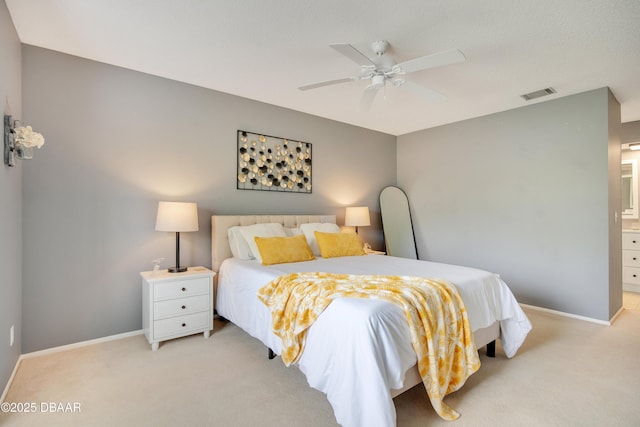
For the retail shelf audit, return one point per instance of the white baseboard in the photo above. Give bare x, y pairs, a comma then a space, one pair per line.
615, 316
81, 344
574, 316
13, 374
63, 348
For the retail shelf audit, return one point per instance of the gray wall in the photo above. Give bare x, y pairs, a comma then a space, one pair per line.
118, 141
524, 193
10, 204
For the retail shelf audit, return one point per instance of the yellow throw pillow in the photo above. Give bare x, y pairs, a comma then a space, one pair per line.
339, 244
278, 250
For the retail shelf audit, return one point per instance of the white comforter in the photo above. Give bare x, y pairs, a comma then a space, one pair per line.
359, 350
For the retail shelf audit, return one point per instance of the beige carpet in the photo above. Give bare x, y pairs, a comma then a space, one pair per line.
568, 373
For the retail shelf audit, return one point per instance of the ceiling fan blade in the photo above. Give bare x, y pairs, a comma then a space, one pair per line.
422, 91
432, 61
366, 101
353, 54
328, 83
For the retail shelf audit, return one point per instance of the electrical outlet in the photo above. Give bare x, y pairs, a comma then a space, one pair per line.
11, 336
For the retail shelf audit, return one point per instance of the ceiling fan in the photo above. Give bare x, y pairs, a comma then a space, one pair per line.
383, 68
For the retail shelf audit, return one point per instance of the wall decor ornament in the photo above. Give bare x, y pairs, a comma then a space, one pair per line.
19, 141
270, 163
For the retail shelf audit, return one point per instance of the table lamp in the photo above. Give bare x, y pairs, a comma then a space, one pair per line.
357, 217
177, 217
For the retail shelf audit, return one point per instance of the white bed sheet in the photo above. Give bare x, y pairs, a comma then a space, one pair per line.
358, 350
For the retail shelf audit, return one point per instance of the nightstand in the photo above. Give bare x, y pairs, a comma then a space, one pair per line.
176, 304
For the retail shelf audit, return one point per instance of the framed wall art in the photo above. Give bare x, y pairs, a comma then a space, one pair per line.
270, 163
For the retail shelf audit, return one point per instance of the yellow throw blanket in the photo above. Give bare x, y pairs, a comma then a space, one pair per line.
440, 331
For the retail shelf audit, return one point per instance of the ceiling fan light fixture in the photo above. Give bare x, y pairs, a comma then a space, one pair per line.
377, 81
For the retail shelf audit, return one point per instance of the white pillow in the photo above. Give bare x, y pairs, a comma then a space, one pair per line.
239, 247
260, 230
291, 232
324, 227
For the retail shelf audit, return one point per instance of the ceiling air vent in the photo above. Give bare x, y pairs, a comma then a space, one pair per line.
538, 93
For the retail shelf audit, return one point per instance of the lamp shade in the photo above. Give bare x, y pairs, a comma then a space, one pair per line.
357, 216
177, 216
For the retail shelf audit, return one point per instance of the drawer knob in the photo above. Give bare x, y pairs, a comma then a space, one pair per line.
635, 275
184, 324
633, 241
634, 258
184, 289
184, 306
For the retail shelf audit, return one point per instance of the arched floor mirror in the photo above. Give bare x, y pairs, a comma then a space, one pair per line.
396, 223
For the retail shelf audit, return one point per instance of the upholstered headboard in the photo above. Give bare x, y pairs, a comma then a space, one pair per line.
220, 249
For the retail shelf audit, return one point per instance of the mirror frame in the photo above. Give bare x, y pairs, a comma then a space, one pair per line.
633, 212
397, 224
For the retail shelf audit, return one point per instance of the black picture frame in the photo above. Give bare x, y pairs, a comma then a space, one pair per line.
272, 163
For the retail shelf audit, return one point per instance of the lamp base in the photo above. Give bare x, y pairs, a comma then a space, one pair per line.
177, 269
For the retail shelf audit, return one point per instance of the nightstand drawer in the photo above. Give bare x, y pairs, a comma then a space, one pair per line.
181, 288
631, 241
631, 258
631, 275
180, 306
181, 325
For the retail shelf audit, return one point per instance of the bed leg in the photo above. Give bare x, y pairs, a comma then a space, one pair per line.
272, 355
491, 349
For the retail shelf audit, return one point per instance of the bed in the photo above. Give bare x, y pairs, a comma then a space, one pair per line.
358, 352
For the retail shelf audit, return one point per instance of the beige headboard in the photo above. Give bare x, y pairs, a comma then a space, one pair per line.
221, 223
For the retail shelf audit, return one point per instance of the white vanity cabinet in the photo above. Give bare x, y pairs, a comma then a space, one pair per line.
176, 304
631, 260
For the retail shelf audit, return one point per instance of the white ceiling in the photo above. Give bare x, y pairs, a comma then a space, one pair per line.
264, 50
